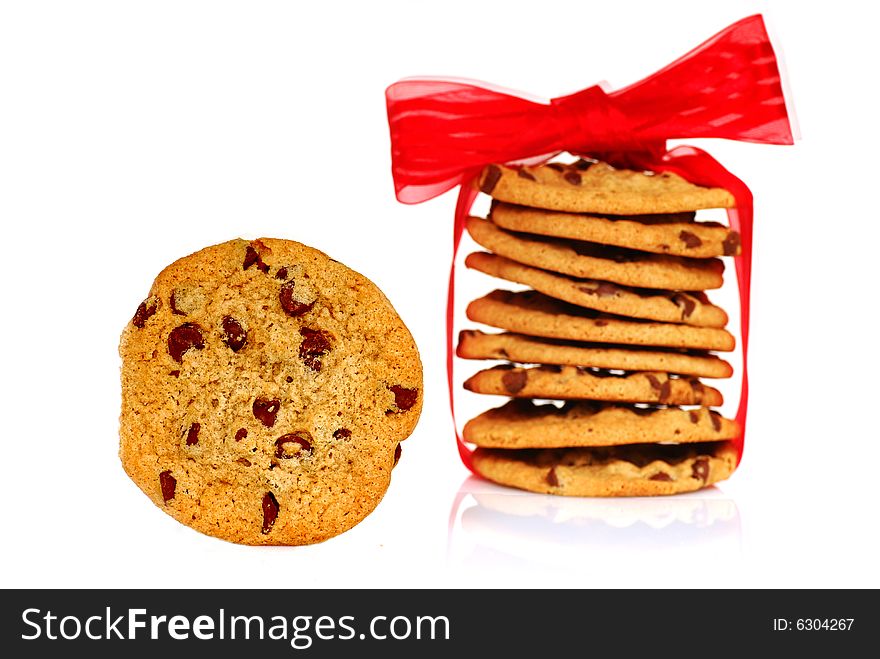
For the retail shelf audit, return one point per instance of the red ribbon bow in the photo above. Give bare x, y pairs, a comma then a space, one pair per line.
444, 132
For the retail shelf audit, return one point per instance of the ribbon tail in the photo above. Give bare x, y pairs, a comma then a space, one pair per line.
466, 196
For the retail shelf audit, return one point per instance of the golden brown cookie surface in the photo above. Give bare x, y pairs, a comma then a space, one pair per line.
596, 187
575, 383
636, 470
535, 314
657, 234
474, 344
265, 390
691, 308
521, 423
593, 261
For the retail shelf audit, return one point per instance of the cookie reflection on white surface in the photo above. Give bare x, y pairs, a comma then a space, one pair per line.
492, 526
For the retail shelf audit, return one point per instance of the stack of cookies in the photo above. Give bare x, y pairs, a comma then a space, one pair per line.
606, 349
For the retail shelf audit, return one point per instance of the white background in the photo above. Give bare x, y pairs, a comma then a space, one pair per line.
134, 133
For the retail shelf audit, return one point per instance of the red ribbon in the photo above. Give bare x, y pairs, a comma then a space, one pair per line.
444, 132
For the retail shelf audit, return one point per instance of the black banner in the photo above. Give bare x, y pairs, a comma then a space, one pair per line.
318, 623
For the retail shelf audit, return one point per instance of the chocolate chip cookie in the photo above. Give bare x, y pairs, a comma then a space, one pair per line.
473, 344
594, 261
634, 470
690, 308
523, 424
586, 186
576, 383
265, 391
675, 234
532, 313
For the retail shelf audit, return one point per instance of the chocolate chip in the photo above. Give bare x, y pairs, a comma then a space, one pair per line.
731, 244
716, 420
404, 398
270, 511
661, 476
234, 335
292, 306
266, 409
551, 478
244, 461
700, 469
342, 433
514, 381
294, 445
686, 303
491, 176
251, 257
690, 240
281, 274
168, 484
192, 435
174, 307
653, 381
572, 177
697, 388
583, 165
175, 373
240, 434
183, 338
289, 379
604, 289
397, 452
145, 309
502, 352
556, 166
665, 391
601, 323
315, 343
694, 416
522, 172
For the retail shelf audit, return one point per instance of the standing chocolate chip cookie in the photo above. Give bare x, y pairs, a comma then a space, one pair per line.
265, 391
